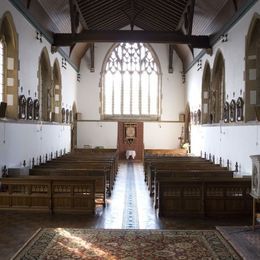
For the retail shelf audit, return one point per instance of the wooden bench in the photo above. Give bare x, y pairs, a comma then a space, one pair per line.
99, 177
87, 165
204, 197
66, 194
163, 175
163, 152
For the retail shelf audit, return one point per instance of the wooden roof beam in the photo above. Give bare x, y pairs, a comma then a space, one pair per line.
187, 17
67, 39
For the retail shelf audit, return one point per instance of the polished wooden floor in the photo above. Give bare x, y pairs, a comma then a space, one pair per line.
129, 207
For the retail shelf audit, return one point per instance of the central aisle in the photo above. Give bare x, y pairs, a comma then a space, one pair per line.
130, 206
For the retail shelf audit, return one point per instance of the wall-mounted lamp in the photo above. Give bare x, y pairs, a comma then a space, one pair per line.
199, 65
39, 36
21, 89
224, 37
64, 63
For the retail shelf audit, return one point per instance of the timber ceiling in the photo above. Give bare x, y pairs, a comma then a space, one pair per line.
150, 15
185, 17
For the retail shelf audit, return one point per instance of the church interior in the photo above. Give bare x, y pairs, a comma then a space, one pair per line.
129, 129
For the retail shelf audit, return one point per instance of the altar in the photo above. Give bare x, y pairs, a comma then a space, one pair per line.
130, 153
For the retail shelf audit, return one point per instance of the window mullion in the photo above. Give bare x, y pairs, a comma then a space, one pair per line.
140, 100
131, 92
149, 94
113, 96
122, 93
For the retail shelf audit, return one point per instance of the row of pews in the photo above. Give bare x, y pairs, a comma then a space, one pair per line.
75, 182
193, 186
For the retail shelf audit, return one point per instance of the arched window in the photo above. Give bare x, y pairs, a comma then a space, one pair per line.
57, 91
205, 93
9, 65
252, 101
217, 89
1, 71
45, 89
131, 83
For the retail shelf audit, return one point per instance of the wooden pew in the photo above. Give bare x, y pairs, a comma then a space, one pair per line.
170, 163
66, 194
204, 197
163, 152
87, 165
98, 175
163, 175
169, 159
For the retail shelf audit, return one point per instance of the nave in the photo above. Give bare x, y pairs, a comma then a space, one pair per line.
129, 207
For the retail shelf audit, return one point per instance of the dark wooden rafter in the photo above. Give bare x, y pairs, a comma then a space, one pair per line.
112, 24
28, 4
190, 16
92, 57
79, 14
187, 17
66, 39
73, 14
235, 5
163, 9
155, 22
96, 22
134, 12
170, 66
92, 16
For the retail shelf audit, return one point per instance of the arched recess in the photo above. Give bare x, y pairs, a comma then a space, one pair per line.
187, 125
74, 127
57, 89
205, 93
45, 89
252, 99
217, 90
9, 39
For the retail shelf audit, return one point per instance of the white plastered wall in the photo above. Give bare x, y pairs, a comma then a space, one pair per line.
233, 142
162, 134
21, 141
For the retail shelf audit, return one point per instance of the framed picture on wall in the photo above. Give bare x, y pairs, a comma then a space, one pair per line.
130, 132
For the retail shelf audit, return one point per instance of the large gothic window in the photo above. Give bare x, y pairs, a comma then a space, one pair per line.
1, 71
131, 83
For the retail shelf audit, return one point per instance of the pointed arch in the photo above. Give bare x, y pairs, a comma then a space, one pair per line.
206, 78
9, 88
45, 89
252, 67
131, 80
74, 127
187, 124
57, 91
217, 90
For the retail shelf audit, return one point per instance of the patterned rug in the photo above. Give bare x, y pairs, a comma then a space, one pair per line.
128, 244
244, 240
